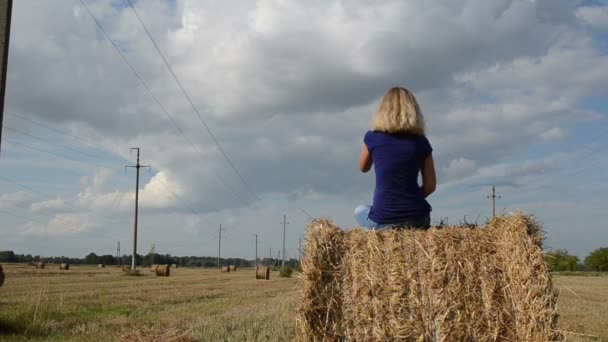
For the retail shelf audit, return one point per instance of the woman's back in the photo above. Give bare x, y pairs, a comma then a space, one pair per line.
397, 160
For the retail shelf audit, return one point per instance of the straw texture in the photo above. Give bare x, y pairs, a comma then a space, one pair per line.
163, 270
449, 284
262, 273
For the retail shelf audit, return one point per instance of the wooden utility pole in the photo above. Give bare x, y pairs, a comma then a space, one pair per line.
219, 249
6, 10
494, 197
137, 167
118, 254
299, 249
285, 223
256, 251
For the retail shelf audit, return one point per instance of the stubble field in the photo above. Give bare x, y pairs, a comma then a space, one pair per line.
101, 304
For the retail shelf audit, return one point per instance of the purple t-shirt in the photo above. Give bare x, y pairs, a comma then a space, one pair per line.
397, 159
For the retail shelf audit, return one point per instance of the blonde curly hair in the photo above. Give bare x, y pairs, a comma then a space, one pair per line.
399, 112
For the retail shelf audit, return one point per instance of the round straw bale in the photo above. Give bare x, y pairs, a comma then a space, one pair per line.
262, 273
101, 265
225, 269
163, 270
64, 267
449, 284
232, 268
1, 276
126, 268
153, 268
174, 266
40, 264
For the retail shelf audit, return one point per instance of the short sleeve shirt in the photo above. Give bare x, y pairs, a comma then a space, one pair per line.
397, 160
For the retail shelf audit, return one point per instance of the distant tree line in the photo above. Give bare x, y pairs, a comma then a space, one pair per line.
144, 260
560, 260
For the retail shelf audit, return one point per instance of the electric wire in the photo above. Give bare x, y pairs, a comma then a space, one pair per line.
157, 101
198, 114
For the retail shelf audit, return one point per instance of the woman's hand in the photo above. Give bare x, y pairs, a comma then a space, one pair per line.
365, 160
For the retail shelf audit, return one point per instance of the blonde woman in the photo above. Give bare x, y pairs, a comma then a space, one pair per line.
399, 151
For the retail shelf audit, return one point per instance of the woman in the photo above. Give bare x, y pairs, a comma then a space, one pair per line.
399, 151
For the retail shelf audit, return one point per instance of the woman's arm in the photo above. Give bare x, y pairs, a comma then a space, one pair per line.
365, 160
429, 181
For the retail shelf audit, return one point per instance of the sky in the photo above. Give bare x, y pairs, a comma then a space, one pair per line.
263, 111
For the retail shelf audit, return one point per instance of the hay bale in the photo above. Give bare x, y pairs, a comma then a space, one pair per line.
232, 268
262, 273
126, 268
1, 276
174, 266
64, 267
225, 269
153, 268
163, 270
449, 284
101, 265
40, 264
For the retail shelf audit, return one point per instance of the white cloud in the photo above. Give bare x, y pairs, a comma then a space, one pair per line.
460, 168
289, 88
60, 225
596, 16
554, 134
19, 198
52, 204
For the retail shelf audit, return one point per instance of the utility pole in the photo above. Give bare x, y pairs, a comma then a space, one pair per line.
284, 226
256, 251
118, 254
299, 249
219, 249
152, 251
137, 167
6, 10
270, 257
494, 197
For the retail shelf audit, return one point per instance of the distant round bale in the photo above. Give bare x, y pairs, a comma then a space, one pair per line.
153, 268
174, 266
262, 273
64, 267
101, 265
40, 264
163, 270
225, 269
1, 276
232, 268
126, 268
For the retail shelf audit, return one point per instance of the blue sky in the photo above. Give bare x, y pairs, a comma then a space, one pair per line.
513, 95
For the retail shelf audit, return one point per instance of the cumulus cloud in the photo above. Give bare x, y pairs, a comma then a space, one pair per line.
61, 224
460, 168
289, 87
19, 198
554, 134
596, 16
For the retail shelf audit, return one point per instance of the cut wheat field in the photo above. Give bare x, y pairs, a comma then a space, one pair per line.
87, 303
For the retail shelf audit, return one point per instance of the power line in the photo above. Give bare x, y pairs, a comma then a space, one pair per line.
116, 196
23, 117
49, 142
130, 4
157, 101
